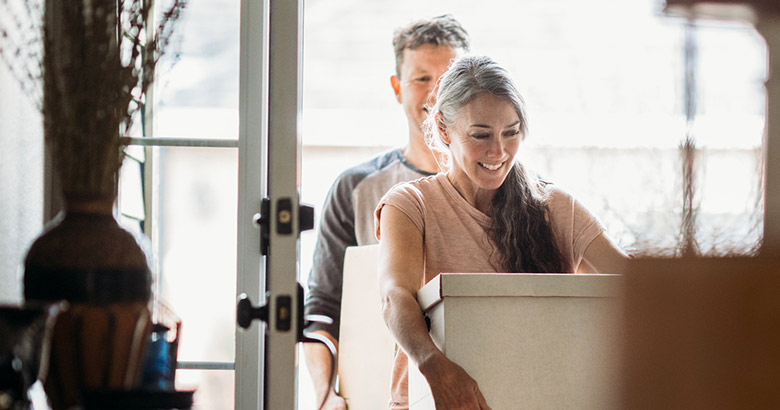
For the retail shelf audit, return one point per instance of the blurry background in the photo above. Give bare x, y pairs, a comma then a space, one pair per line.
609, 104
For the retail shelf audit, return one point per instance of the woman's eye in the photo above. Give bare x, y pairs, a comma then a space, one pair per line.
480, 136
512, 133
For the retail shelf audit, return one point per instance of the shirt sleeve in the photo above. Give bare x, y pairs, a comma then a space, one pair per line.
583, 226
336, 233
408, 199
586, 228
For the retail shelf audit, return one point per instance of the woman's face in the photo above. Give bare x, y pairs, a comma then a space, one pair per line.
483, 140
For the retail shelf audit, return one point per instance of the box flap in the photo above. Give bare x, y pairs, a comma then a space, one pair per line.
518, 284
430, 294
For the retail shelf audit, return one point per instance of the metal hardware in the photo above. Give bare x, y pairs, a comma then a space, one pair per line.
263, 222
246, 312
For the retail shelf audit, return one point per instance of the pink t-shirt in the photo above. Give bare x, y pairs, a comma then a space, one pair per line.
455, 239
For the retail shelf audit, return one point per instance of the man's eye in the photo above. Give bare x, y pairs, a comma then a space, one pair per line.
422, 79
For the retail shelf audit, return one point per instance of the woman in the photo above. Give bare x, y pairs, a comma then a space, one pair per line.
485, 214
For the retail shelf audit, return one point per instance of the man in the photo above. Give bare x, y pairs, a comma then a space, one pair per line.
423, 51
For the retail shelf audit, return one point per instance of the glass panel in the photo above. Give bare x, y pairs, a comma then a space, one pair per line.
131, 190
728, 130
197, 85
605, 92
213, 388
730, 75
197, 247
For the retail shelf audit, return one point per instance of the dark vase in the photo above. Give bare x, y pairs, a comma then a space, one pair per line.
86, 256
87, 259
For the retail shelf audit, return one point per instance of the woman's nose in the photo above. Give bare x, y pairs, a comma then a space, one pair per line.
495, 148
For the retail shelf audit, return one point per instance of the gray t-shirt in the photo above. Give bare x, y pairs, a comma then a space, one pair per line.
348, 220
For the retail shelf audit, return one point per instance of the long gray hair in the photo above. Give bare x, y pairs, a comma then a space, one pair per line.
519, 229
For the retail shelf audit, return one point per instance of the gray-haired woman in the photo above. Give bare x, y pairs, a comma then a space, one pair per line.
485, 214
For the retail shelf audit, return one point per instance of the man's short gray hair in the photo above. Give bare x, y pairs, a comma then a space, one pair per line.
440, 31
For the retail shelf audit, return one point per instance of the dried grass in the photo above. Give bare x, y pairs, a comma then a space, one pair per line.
96, 64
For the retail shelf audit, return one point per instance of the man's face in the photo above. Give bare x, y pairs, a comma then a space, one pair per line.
420, 70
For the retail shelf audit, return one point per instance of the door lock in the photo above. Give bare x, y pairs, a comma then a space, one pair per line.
284, 220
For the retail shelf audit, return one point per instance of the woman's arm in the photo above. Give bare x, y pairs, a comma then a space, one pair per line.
603, 256
400, 277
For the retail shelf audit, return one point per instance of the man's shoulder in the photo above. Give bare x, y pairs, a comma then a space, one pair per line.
387, 168
354, 174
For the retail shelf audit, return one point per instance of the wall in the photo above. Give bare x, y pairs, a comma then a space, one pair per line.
21, 182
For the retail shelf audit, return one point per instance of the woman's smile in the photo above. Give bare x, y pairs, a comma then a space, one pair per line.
483, 140
492, 167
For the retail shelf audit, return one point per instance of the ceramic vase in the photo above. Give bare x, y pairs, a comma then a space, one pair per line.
87, 259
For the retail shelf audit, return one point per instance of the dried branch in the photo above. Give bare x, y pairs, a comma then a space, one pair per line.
95, 61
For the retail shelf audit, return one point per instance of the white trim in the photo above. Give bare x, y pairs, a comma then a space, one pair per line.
769, 29
252, 187
284, 105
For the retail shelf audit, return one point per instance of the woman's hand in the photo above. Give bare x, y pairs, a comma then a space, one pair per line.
451, 386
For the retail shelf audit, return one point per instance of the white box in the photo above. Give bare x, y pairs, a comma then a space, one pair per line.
531, 341
366, 347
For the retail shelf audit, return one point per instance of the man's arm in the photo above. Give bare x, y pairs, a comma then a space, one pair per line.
319, 361
336, 233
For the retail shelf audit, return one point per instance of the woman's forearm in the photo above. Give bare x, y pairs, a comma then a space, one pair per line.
405, 320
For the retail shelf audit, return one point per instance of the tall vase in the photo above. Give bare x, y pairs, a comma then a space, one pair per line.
86, 258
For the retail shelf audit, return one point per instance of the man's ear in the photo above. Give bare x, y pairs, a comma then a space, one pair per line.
442, 127
395, 82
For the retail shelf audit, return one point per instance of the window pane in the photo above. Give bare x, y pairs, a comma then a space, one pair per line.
728, 129
197, 85
604, 84
213, 388
197, 247
730, 75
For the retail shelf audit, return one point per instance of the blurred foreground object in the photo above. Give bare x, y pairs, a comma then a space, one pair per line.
702, 334
25, 336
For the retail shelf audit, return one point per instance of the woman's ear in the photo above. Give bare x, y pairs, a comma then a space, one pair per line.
442, 128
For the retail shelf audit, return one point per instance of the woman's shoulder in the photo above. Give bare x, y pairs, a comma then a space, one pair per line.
553, 191
418, 187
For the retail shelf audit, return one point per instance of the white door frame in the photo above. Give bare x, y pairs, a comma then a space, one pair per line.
269, 139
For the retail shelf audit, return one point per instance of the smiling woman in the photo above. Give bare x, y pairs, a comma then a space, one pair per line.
487, 213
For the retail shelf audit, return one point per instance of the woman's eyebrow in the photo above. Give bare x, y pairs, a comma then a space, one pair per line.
514, 124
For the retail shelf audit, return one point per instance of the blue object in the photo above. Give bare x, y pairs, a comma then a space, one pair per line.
157, 370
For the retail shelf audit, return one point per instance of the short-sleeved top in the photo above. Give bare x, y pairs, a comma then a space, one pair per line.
455, 239
348, 220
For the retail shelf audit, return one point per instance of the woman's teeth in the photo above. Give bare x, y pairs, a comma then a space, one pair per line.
492, 167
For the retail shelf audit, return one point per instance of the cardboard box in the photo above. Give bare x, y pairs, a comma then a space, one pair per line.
531, 341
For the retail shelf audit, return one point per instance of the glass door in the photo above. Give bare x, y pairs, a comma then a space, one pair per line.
221, 134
